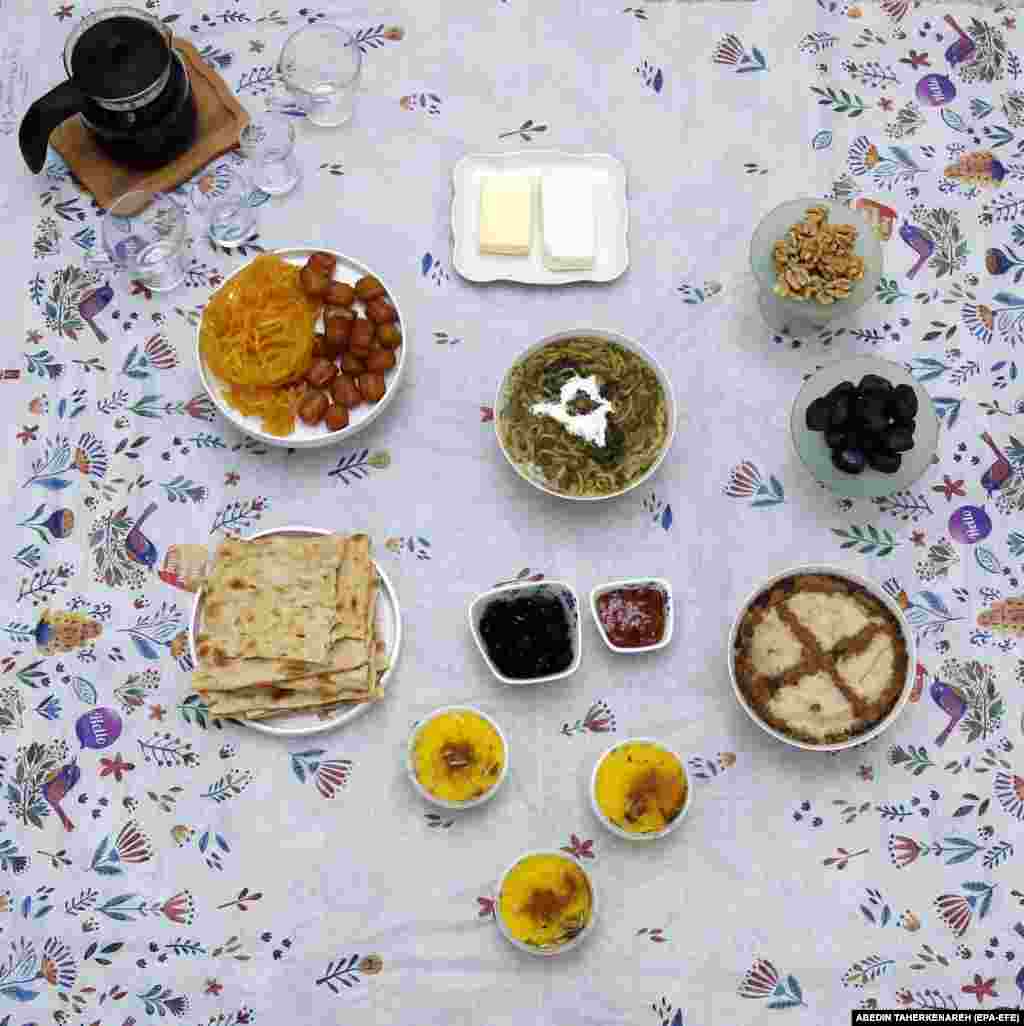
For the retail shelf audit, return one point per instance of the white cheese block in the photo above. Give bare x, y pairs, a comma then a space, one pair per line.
815, 706
567, 219
774, 648
506, 214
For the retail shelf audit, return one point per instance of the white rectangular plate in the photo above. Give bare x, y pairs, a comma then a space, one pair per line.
611, 213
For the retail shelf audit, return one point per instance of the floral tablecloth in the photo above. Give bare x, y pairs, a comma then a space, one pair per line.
156, 864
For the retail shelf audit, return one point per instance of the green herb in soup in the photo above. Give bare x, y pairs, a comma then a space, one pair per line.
587, 417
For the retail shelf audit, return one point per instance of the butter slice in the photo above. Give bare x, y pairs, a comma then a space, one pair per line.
567, 219
506, 214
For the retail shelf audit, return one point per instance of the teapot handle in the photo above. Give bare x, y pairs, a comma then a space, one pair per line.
43, 117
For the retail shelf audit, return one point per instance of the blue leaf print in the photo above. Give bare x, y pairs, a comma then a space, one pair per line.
953, 120
794, 988
666, 517
53, 484
1009, 299
935, 601
677, 1019
822, 140
20, 993
204, 841
145, 648
658, 81
426, 263
221, 843
84, 690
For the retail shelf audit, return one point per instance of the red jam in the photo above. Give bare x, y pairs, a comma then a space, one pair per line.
633, 617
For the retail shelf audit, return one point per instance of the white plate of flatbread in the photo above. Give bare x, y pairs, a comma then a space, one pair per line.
296, 630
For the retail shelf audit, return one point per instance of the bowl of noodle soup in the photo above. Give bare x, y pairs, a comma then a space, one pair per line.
585, 415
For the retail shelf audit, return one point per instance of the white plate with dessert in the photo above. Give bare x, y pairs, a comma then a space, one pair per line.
540, 217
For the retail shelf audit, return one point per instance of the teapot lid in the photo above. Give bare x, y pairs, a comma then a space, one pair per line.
118, 53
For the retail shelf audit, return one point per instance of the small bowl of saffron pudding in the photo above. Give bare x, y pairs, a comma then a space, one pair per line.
546, 903
634, 615
457, 757
639, 789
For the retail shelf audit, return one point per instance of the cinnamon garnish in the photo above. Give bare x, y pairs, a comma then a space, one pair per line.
458, 755
544, 903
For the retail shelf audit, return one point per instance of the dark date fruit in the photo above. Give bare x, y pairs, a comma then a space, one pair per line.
818, 413
898, 439
874, 383
842, 388
869, 412
884, 461
850, 461
839, 415
902, 404
836, 438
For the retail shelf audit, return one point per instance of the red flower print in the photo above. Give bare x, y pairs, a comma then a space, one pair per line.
257, 504
980, 988
179, 908
34, 337
866, 772
64, 11
157, 712
949, 488
918, 538
579, 849
486, 909
904, 850
1010, 23
27, 433
38, 405
904, 997
486, 414
885, 104
141, 289
213, 987
916, 60
231, 478
115, 767
394, 33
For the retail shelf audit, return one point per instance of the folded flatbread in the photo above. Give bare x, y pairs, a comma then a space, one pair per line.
271, 598
356, 581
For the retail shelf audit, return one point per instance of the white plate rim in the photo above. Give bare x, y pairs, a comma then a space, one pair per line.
550, 277
388, 590
333, 437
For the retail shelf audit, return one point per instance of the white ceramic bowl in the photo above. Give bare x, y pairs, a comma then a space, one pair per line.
304, 436
651, 835
604, 336
555, 949
872, 588
636, 582
565, 593
410, 759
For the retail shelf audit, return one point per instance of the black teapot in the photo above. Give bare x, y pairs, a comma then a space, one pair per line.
128, 85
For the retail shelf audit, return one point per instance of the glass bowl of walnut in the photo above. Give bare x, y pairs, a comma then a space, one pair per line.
815, 260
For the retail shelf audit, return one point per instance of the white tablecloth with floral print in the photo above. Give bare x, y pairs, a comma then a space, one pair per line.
221, 877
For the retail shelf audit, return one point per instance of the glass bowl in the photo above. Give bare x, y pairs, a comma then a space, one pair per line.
795, 316
815, 454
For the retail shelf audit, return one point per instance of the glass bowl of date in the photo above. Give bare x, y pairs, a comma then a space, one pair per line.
528, 633
821, 658
864, 428
302, 347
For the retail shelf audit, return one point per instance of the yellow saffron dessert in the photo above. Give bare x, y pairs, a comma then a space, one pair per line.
545, 900
640, 787
458, 756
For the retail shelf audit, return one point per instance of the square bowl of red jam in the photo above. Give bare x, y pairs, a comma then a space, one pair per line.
635, 615
528, 633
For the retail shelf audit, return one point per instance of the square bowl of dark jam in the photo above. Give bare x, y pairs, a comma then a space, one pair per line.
635, 615
528, 633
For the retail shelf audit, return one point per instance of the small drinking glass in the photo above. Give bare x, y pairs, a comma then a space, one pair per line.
231, 216
144, 233
320, 65
268, 143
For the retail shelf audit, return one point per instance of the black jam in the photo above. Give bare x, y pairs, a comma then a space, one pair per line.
527, 637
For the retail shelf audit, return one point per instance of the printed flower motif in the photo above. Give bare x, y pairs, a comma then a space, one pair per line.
579, 849
762, 980
90, 456
486, 414
916, 60
27, 433
213, 987
157, 712
957, 910
599, 719
909, 922
370, 965
918, 538
866, 772
1009, 789
64, 11
39, 405
726, 759
745, 482
904, 850
981, 989
949, 487
486, 910
201, 407
231, 478
179, 908
904, 997
885, 104
394, 33
115, 767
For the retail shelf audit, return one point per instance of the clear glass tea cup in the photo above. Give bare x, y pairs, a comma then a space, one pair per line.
268, 144
144, 233
231, 217
320, 65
